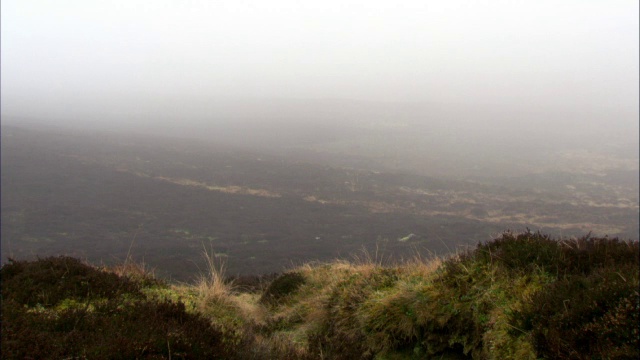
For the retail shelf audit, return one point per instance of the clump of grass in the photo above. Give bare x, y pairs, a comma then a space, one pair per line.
346, 328
212, 286
488, 303
136, 271
282, 286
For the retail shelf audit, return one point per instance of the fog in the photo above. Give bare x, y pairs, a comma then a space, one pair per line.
281, 132
279, 73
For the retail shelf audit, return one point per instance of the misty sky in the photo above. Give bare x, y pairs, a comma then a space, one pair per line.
60, 57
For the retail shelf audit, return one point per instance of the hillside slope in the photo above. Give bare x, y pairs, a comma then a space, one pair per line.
519, 296
101, 196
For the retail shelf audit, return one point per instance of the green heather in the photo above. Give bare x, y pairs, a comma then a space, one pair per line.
520, 296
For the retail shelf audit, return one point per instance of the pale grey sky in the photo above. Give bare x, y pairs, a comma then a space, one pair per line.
68, 56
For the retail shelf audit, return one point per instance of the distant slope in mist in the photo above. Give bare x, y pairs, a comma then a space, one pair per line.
435, 139
103, 195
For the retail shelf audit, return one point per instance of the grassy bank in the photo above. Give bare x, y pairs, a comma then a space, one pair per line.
520, 296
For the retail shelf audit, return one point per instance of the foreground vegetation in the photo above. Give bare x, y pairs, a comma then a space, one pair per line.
520, 296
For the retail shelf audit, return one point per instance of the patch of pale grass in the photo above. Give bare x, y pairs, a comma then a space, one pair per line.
211, 286
249, 308
310, 302
133, 270
322, 277
419, 266
281, 346
366, 258
321, 281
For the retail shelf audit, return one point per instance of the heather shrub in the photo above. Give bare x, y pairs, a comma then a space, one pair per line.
535, 251
583, 255
110, 331
521, 252
585, 317
48, 281
61, 308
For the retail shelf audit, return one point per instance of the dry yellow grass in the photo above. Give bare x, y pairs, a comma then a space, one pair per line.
133, 270
211, 286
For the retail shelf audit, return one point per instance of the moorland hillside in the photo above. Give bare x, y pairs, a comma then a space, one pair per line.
102, 196
519, 296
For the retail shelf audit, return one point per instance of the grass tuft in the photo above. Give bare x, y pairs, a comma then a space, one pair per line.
212, 286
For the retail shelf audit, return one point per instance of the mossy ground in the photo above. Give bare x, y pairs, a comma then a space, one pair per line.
520, 296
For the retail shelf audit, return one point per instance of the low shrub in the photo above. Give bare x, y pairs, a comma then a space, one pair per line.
520, 252
48, 281
61, 308
586, 317
110, 331
534, 251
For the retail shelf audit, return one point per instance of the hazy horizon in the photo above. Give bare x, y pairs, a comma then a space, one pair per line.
125, 60
468, 88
